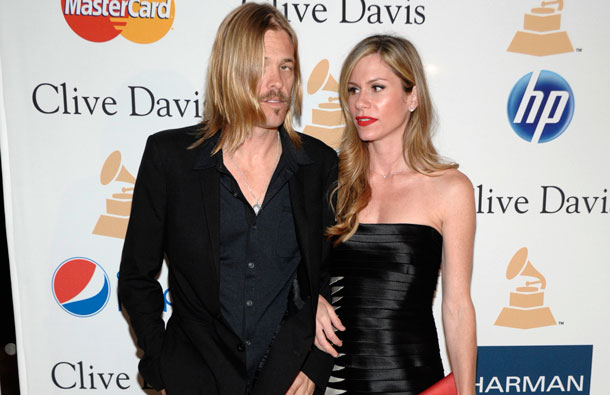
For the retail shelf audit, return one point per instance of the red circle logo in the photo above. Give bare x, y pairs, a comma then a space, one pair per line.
139, 21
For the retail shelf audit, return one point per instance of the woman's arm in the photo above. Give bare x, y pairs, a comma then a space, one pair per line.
458, 229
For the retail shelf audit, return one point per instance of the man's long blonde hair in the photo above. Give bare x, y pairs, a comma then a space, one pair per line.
235, 68
353, 191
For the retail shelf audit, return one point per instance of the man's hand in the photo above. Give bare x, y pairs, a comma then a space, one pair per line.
301, 385
326, 322
163, 392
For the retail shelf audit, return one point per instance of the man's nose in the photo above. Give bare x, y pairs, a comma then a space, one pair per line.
272, 79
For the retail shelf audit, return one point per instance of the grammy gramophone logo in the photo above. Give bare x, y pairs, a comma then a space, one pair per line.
526, 308
327, 120
113, 223
541, 34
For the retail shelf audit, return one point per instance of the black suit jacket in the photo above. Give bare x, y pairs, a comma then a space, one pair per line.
176, 214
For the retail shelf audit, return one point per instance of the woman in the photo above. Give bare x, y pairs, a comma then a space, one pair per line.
401, 211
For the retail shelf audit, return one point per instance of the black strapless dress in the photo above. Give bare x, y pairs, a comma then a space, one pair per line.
386, 277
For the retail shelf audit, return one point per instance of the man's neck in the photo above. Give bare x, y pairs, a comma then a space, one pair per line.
253, 164
261, 144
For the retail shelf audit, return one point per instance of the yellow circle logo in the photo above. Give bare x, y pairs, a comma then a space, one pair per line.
139, 21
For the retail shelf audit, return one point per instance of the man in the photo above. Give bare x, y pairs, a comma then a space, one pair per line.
237, 206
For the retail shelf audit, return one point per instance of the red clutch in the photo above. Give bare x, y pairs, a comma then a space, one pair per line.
445, 386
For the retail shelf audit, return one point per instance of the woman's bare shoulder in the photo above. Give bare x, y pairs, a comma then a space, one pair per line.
451, 183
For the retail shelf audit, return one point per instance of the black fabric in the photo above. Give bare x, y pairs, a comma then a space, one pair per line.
387, 275
175, 215
259, 256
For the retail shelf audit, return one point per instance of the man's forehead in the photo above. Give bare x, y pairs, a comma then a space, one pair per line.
277, 43
284, 59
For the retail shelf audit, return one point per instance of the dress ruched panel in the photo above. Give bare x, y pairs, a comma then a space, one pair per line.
384, 280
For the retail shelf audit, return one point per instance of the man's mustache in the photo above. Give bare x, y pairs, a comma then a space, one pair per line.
275, 94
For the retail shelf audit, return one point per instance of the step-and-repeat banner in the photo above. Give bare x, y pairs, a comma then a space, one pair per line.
521, 89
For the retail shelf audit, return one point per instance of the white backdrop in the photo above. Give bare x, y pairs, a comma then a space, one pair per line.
79, 96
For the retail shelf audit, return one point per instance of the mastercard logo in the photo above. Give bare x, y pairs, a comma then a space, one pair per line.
139, 21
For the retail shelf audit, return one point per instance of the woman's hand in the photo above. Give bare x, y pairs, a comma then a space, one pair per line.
326, 323
302, 385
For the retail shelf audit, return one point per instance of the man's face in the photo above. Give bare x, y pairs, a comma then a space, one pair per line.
275, 87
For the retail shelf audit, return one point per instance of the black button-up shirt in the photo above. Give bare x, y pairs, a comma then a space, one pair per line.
259, 255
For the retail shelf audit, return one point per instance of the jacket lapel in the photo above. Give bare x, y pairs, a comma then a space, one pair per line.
209, 180
296, 184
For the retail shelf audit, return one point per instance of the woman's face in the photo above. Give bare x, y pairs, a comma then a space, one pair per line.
377, 100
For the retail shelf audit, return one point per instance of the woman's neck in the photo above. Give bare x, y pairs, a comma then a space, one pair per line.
386, 157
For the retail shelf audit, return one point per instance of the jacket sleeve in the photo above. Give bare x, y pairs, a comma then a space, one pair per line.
142, 257
318, 365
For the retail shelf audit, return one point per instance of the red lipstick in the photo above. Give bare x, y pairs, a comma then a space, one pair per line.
365, 121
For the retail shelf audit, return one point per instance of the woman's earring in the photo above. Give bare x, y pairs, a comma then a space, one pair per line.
411, 109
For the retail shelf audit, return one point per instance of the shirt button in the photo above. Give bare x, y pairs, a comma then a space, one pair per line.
248, 343
251, 265
254, 226
241, 347
249, 303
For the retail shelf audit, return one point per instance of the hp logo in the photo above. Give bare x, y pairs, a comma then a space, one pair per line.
540, 106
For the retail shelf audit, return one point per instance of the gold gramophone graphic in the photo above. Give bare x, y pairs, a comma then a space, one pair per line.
327, 119
542, 35
118, 208
527, 308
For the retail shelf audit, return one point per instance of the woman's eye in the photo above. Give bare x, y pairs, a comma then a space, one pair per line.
378, 88
352, 90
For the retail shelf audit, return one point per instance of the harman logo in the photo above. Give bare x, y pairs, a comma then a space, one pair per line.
113, 223
81, 287
532, 370
526, 308
540, 106
139, 21
327, 120
541, 35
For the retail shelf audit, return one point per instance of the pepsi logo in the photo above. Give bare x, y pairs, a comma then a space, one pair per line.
81, 287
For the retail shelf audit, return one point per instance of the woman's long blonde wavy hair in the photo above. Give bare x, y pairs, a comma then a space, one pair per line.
353, 191
235, 68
